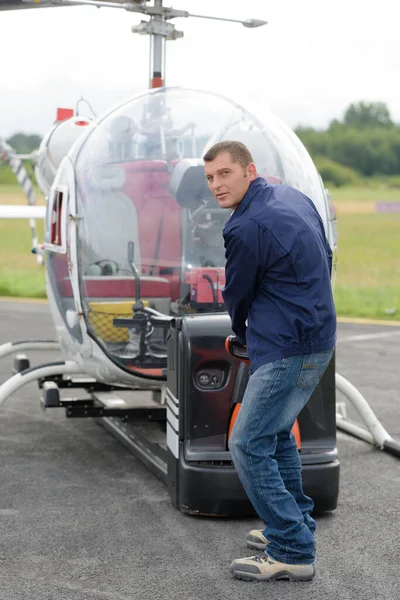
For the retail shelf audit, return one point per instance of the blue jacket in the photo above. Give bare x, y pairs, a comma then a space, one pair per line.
278, 267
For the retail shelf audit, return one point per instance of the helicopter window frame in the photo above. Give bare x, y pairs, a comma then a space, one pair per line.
58, 203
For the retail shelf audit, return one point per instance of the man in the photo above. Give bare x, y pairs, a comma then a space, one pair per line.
279, 297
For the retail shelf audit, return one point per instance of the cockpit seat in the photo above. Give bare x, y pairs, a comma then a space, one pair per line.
110, 221
188, 183
159, 219
115, 287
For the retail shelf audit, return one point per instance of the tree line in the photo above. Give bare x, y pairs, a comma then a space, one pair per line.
24, 144
365, 143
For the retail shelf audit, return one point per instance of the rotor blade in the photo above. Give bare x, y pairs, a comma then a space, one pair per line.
130, 5
99, 4
23, 4
245, 22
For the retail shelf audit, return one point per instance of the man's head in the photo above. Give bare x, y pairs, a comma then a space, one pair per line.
230, 169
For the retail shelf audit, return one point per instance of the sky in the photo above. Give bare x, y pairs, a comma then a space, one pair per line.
312, 59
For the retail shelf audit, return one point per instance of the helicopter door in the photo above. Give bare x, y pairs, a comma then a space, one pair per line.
57, 247
56, 237
57, 220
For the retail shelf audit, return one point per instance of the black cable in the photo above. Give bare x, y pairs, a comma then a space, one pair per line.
213, 291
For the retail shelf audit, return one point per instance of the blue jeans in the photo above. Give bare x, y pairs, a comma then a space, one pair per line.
266, 457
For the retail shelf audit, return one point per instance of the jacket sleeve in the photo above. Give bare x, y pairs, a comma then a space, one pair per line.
241, 275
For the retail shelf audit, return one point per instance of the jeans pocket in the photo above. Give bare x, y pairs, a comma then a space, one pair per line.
312, 369
266, 379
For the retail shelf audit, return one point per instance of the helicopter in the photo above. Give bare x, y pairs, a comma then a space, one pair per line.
135, 268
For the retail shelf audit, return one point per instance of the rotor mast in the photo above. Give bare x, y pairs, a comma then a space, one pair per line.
160, 30
158, 27
157, 53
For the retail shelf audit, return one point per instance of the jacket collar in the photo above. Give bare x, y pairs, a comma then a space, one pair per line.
255, 186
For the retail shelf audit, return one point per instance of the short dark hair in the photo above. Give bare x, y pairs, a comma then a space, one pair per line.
239, 152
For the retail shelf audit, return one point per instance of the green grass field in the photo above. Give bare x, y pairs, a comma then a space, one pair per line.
365, 194
368, 266
368, 273
20, 274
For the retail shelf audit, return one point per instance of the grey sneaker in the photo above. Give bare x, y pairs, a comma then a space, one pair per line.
264, 568
255, 539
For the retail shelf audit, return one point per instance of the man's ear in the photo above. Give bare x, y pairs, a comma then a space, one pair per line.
252, 171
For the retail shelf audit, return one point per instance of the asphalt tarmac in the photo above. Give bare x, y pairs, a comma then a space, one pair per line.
81, 518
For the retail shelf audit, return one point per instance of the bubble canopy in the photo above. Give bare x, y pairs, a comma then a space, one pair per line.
149, 231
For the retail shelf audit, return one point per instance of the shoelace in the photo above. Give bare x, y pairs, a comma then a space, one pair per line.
262, 558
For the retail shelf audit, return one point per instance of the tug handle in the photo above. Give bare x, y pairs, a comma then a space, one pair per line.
236, 349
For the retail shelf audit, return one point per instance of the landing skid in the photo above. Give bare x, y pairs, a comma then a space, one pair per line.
20, 379
374, 433
14, 347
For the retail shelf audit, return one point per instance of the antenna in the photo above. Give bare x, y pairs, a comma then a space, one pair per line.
158, 27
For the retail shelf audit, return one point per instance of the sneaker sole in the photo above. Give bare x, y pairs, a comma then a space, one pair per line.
255, 545
275, 577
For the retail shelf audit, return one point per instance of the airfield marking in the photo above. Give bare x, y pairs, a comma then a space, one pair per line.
368, 336
362, 321
21, 300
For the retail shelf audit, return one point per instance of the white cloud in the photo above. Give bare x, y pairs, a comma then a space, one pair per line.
311, 60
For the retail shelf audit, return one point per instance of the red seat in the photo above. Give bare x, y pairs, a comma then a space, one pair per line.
119, 287
159, 218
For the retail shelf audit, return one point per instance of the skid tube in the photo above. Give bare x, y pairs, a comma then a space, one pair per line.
20, 379
12, 347
375, 434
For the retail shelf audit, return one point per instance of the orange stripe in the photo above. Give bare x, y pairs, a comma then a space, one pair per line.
296, 433
234, 416
149, 372
157, 82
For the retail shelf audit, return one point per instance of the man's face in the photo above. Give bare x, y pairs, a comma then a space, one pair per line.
227, 180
